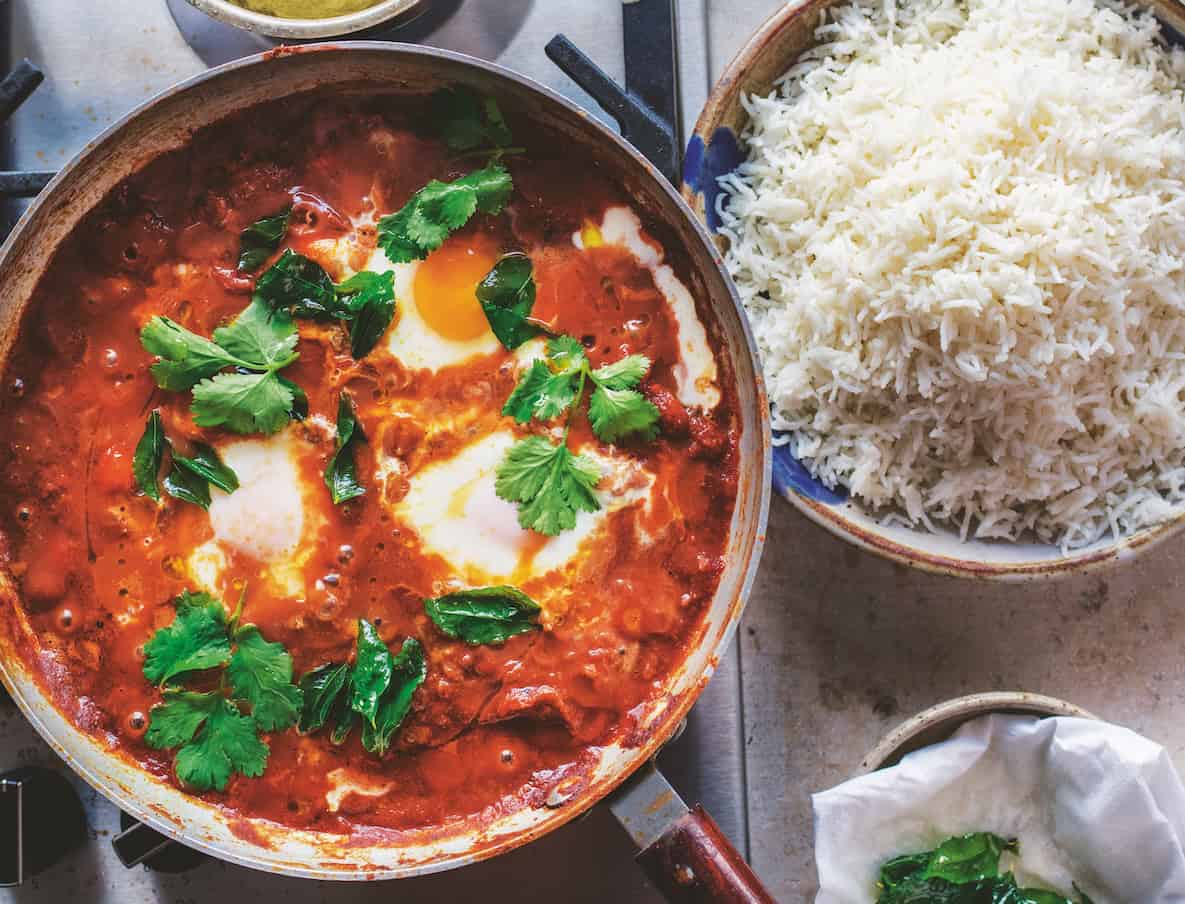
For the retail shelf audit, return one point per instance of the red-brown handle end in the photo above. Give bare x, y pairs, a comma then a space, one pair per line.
693, 863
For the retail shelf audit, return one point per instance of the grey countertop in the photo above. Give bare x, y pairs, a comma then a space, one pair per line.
836, 646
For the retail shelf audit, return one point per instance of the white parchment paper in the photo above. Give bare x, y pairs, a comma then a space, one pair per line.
1090, 802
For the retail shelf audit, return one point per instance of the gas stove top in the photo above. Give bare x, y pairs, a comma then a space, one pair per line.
98, 64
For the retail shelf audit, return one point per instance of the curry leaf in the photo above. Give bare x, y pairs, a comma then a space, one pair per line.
322, 687
369, 300
298, 286
206, 464
150, 452
408, 671
261, 238
341, 475
183, 484
372, 672
484, 615
507, 296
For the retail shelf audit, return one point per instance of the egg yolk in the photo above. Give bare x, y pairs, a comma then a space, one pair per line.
446, 283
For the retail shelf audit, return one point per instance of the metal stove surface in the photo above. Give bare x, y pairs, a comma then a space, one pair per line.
101, 60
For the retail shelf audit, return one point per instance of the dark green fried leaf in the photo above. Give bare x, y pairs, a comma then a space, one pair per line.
261, 238
322, 688
183, 484
507, 296
370, 301
408, 671
372, 672
467, 121
484, 615
206, 464
150, 452
299, 286
341, 475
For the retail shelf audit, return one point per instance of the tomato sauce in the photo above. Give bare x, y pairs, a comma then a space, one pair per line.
493, 728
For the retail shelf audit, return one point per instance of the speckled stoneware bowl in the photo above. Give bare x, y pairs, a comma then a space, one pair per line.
938, 723
386, 12
716, 149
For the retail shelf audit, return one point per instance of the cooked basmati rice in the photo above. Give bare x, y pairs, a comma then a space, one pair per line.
960, 236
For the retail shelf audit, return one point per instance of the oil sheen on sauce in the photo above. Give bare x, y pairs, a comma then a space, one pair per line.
494, 728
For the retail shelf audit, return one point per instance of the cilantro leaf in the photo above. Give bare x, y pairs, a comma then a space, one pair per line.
408, 670
626, 373
177, 720
369, 299
298, 286
440, 208
243, 402
261, 673
484, 615
467, 121
196, 640
185, 357
341, 474
209, 467
227, 743
615, 413
150, 452
550, 484
507, 296
183, 484
372, 672
261, 238
262, 338
322, 688
541, 394
566, 354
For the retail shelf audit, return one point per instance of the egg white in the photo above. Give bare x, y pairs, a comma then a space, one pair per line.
454, 509
272, 516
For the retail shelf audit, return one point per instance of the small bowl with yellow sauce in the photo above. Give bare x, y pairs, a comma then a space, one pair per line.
310, 19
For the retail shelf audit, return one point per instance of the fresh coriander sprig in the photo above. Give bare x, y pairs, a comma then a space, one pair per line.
549, 483
439, 209
377, 691
214, 736
254, 398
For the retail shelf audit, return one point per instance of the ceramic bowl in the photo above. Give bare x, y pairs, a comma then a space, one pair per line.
386, 12
716, 149
938, 723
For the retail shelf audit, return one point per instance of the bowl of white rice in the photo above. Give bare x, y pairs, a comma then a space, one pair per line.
958, 229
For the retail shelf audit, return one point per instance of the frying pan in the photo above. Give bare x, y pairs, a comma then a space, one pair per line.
684, 852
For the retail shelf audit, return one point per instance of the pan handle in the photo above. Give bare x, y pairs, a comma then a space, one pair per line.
683, 850
694, 863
